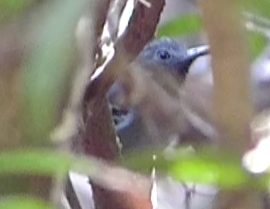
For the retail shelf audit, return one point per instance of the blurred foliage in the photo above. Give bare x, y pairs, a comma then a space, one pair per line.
260, 8
181, 26
207, 166
13, 8
23, 203
210, 166
257, 43
191, 24
48, 67
33, 161
45, 77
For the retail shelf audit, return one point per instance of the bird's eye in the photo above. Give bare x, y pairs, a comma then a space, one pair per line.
163, 54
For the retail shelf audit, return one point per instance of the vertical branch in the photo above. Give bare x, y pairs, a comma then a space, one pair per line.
232, 101
142, 26
100, 135
141, 29
100, 138
230, 63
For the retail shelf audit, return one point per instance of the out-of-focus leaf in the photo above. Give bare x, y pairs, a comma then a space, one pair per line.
11, 8
207, 167
33, 161
181, 26
23, 203
261, 9
258, 7
143, 161
191, 24
48, 67
257, 43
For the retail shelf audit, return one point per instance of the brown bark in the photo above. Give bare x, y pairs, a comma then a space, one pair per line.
230, 64
141, 29
99, 137
232, 101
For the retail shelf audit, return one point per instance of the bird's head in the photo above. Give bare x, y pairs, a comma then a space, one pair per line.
170, 55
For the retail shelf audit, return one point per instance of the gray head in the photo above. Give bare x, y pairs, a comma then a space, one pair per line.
165, 54
170, 55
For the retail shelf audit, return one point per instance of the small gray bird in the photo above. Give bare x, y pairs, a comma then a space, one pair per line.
167, 61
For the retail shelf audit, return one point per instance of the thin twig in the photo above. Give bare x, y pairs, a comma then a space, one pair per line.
71, 195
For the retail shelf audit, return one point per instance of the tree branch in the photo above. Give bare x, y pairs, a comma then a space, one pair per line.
100, 139
232, 99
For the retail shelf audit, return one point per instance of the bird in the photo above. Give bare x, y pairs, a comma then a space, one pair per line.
167, 61
197, 92
193, 70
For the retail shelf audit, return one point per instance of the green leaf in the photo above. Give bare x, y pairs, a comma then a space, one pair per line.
12, 8
33, 161
260, 7
209, 168
47, 69
21, 202
257, 43
206, 166
181, 26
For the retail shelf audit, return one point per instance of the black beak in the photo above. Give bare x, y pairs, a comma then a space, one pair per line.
193, 54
